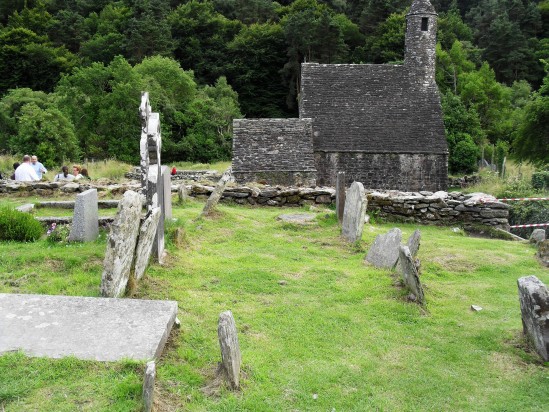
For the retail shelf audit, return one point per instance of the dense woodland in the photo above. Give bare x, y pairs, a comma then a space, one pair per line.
71, 71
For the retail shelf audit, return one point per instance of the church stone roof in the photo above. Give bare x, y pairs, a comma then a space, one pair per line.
422, 7
372, 108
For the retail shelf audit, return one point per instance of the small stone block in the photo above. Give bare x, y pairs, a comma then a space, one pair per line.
230, 348
534, 307
148, 386
354, 212
85, 223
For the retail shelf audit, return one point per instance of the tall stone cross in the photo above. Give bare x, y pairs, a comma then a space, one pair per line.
152, 184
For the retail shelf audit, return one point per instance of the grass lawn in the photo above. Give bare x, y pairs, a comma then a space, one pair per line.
318, 330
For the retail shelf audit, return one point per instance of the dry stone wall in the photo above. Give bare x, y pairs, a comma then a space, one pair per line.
421, 207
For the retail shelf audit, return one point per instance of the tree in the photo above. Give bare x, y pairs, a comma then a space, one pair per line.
258, 55
46, 133
532, 141
29, 60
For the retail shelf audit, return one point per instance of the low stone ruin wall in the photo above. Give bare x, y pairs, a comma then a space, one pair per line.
189, 175
452, 208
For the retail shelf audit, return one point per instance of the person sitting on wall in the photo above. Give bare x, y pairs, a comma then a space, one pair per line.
15, 166
84, 173
174, 171
38, 167
64, 175
76, 172
25, 172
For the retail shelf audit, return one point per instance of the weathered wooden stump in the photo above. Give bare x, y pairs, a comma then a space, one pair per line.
230, 349
340, 196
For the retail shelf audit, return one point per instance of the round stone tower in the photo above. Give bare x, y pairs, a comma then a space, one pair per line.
421, 32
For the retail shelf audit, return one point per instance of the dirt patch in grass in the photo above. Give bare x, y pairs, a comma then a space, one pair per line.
454, 263
151, 288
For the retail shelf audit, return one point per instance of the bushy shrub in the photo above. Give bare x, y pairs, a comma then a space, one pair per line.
540, 179
18, 226
58, 233
463, 157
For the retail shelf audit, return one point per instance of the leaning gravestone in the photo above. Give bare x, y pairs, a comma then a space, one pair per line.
217, 192
354, 212
534, 306
410, 275
385, 251
121, 246
148, 386
85, 223
147, 233
543, 252
414, 242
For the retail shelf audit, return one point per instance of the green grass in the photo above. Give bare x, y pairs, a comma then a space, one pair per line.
334, 328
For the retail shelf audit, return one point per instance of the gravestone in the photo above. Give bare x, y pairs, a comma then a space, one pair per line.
182, 193
538, 235
534, 307
230, 349
409, 273
354, 212
121, 246
152, 183
543, 252
100, 329
385, 250
217, 193
85, 223
147, 233
148, 386
167, 188
298, 218
340, 196
414, 242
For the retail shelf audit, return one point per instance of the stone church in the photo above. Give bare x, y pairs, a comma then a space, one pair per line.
379, 123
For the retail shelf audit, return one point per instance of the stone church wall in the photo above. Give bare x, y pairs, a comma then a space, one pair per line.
275, 151
405, 171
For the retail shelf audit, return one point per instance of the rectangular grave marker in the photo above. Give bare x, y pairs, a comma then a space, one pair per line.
85, 223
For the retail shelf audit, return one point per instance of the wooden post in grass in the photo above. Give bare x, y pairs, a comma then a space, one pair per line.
230, 350
213, 200
340, 196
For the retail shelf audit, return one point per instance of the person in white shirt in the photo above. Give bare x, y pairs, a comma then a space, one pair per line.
64, 175
25, 172
38, 167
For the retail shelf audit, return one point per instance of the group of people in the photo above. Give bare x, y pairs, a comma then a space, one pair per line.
31, 170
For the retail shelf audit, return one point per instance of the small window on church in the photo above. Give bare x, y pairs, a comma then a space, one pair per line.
424, 23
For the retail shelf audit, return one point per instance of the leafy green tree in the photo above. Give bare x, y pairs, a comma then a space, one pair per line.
450, 65
36, 19
209, 118
464, 155
46, 133
532, 141
29, 60
386, 44
10, 111
258, 54
480, 91
201, 37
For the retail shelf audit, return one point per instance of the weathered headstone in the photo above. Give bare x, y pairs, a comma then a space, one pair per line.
121, 246
182, 193
100, 329
538, 235
385, 250
410, 275
167, 187
147, 233
217, 193
298, 218
543, 252
414, 242
354, 212
534, 306
152, 182
340, 196
85, 223
148, 386
230, 349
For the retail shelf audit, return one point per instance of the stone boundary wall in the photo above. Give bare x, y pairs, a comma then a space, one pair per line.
452, 208
192, 175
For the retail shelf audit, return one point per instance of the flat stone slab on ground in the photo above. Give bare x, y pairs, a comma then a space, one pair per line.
298, 218
102, 329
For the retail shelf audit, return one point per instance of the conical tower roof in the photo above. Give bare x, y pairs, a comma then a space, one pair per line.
421, 7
